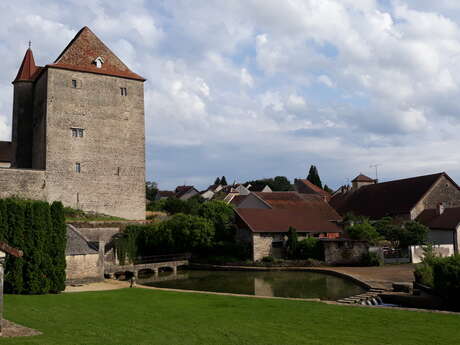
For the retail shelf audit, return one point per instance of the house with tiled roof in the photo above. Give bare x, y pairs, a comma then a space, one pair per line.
185, 192
78, 131
263, 220
304, 186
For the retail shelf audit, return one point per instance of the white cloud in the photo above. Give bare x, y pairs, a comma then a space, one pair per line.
324, 79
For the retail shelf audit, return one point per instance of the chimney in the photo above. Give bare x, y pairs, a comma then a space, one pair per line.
440, 209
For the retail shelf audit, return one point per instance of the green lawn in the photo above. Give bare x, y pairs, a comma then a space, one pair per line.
139, 316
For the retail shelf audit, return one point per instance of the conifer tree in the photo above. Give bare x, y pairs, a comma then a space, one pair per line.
217, 181
223, 181
313, 176
14, 270
58, 246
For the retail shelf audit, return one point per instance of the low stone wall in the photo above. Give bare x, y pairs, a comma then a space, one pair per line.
341, 252
442, 250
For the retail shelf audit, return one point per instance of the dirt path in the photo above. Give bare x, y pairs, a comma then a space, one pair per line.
11, 329
108, 284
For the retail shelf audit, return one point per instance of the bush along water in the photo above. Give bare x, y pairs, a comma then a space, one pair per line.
38, 229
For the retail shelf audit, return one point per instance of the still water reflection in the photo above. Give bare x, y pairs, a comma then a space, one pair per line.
278, 284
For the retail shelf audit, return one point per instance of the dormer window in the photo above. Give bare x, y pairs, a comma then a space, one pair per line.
99, 62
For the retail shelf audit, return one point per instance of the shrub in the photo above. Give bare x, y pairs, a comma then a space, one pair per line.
371, 259
446, 278
363, 231
291, 244
221, 215
310, 248
268, 259
424, 274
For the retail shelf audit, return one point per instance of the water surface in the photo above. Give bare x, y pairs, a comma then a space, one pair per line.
271, 283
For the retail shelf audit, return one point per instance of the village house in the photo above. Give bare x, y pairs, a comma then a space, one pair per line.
304, 186
263, 220
185, 192
78, 132
434, 200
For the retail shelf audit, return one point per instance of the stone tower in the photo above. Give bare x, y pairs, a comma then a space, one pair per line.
79, 124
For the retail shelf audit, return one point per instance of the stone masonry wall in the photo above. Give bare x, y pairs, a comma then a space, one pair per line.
344, 252
443, 191
112, 151
262, 246
84, 267
29, 184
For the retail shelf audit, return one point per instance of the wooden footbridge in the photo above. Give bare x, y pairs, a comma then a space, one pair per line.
149, 264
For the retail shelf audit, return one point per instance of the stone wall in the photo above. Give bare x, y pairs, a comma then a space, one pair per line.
84, 268
442, 250
111, 153
342, 252
262, 246
29, 184
444, 191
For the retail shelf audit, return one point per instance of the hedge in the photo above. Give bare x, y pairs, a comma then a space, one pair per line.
38, 229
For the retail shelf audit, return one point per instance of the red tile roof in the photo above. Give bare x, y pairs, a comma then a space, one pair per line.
28, 69
10, 250
448, 220
306, 213
6, 151
85, 47
362, 178
387, 198
305, 186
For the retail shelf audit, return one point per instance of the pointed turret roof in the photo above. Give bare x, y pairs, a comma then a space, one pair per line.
28, 69
84, 50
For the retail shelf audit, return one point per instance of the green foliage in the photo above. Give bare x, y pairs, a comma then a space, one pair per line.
277, 184
310, 248
268, 259
446, 278
157, 205
413, 233
291, 244
217, 181
222, 216
190, 206
363, 231
80, 215
371, 259
313, 176
151, 190
39, 231
223, 181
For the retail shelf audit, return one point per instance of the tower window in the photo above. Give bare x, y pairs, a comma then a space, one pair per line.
124, 91
74, 83
77, 168
99, 62
77, 132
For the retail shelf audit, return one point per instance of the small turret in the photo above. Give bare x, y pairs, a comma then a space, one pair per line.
362, 180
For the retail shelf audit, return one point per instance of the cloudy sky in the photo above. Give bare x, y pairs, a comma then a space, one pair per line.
259, 88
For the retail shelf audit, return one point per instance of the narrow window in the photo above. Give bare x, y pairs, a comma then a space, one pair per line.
77, 168
118, 171
74, 83
77, 132
124, 91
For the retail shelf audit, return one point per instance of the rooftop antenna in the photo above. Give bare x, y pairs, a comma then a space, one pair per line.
376, 166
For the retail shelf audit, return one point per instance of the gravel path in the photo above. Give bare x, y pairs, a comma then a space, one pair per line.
11, 329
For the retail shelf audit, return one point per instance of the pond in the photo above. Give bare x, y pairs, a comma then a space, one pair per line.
266, 283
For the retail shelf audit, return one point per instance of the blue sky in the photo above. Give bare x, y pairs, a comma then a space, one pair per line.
259, 88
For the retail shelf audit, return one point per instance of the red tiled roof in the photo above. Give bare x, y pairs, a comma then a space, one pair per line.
305, 186
387, 198
306, 213
28, 69
448, 220
6, 151
166, 193
85, 47
181, 190
310, 217
362, 178
10, 250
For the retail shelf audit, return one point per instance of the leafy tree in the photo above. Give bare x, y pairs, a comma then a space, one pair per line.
151, 190
363, 231
223, 181
221, 215
277, 184
413, 233
310, 248
291, 244
313, 176
217, 181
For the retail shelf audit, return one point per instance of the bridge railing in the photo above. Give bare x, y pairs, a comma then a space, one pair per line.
161, 258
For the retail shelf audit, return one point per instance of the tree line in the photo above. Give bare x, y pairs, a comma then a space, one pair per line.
39, 230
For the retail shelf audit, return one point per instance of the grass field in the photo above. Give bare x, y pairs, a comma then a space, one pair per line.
138, 316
